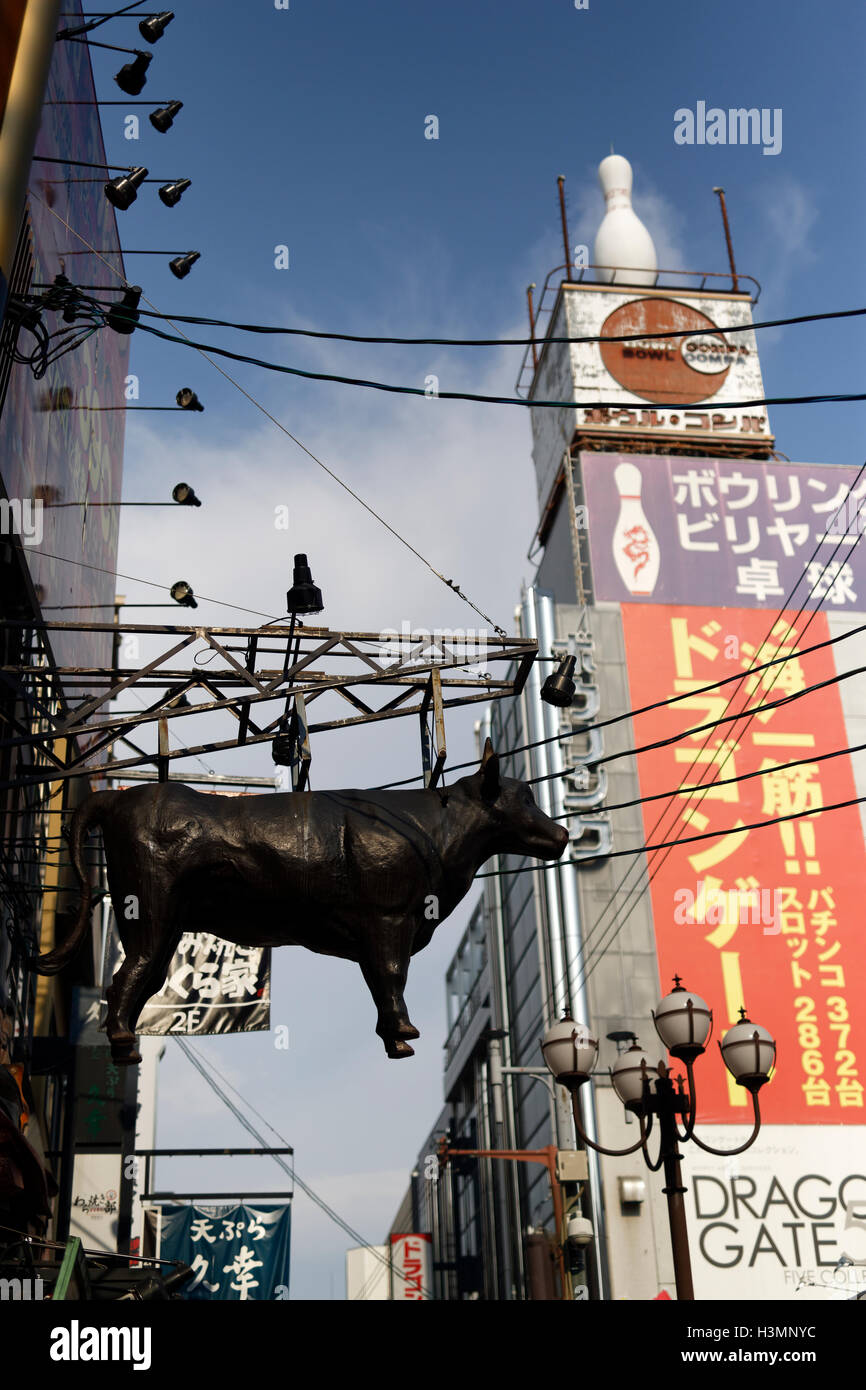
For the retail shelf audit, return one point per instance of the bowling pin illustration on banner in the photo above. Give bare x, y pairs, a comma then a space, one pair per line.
622, 244
635, 547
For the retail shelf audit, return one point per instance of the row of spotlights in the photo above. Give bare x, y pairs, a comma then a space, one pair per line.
123, 191
133, 76
153, 28
162, 119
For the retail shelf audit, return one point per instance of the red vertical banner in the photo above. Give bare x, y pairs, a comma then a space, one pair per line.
768, 918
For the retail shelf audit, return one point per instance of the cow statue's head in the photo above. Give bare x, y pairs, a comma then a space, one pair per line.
521, 826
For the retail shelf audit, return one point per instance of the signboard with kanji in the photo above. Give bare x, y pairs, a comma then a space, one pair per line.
767, 918
212, 986
411, 1267
239, 1253
729, 532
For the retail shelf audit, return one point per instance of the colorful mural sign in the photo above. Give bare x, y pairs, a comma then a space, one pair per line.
58, 441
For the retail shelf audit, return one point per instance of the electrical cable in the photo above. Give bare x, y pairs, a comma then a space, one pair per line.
449, 583
600, 946
641, 709
490, 342
681, 840
205, 348
329, 1211
720, 782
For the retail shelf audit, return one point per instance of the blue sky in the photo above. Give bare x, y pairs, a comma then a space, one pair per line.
305, 127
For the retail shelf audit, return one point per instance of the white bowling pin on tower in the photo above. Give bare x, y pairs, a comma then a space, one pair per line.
622, 242
635, 547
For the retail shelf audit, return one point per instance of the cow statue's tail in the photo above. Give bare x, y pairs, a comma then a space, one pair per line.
87, 815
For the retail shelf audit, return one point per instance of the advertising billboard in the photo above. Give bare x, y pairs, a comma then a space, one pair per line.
768, 917
58, 442
237, 1253
786, 1220
722, 531
212, 986
642, 380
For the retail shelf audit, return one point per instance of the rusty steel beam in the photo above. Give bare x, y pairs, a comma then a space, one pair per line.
413, 682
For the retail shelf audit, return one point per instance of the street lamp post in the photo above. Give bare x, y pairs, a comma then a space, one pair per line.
648, 1089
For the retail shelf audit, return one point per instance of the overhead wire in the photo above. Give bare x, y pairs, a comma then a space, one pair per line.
198, 1062
476, 396
584, 339
641, 709
449, 583
673, 844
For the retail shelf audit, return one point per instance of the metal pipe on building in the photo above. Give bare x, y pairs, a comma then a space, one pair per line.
502, 1018
558, 994
572, 938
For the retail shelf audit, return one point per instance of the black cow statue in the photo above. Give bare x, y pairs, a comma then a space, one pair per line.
364, 875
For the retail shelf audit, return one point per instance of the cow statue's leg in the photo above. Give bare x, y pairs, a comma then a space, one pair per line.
385, 965
149, 940
123, 995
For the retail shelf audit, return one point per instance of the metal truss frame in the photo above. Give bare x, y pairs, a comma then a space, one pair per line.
283, 661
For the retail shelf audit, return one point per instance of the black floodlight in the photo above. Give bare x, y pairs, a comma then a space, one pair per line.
184, 495
182, 265
182, 593
188, 400
303, 597
133, 76
558, 689
123, 191
170, 193
123, 317
162, 119
153, 28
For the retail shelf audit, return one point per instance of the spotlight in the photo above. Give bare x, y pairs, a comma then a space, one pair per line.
163, 118
184, 496
123, 191
182, 265
182, 593
123, 317
188, 400
155, 26
558, 689
132, 76
170, 193
303, 597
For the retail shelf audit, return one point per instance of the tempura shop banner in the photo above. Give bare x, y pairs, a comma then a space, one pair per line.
238, 1253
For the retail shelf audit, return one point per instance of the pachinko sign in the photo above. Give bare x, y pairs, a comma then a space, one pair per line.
756, 915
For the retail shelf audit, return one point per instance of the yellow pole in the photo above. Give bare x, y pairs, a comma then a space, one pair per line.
21, 122
46, 994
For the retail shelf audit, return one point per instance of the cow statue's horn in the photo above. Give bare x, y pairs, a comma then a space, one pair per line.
490, 785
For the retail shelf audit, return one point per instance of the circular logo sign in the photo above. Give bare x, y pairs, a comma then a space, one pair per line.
666, 369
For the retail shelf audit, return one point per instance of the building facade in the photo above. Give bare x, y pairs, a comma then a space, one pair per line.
59, 454
678, 552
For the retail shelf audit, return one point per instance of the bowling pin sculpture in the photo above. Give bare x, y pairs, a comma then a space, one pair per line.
622, 242
635, 547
